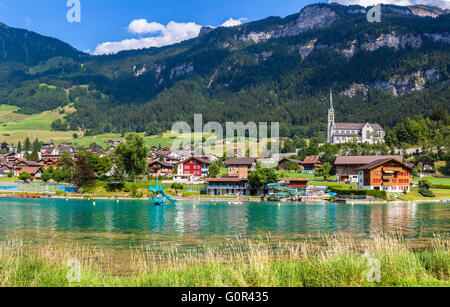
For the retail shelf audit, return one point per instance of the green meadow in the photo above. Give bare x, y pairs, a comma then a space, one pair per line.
15, 127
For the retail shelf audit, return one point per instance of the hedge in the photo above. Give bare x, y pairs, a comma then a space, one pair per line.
440, 186
376, 193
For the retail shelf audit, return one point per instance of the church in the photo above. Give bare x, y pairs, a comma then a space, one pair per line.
347, 132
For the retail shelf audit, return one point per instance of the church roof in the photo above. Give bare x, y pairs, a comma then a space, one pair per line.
356, 126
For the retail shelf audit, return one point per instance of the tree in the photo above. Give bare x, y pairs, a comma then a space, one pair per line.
58, 175
46, 176
101, 165
177, 187
117, 180
292, 166
65, 161
446, 169
27, 144
25, 176
424, 184
36, 145
324, 171
83, 175
214, 170
262, 176
19, 147
34, 156
415, 172
132, 155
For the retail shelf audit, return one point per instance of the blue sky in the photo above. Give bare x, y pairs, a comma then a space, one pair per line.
108, 20
112, 25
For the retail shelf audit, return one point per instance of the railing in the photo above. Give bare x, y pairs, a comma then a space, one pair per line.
34, 187
227, 187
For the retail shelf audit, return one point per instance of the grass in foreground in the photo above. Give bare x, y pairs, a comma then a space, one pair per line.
337, 262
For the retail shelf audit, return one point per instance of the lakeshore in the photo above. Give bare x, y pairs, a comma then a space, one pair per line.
229, 199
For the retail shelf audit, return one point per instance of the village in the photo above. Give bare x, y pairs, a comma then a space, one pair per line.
239, 177
319, 171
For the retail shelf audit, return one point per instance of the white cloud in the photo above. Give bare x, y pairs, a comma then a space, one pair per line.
173, 33
160, 35
445, 4
233, 22
142, 26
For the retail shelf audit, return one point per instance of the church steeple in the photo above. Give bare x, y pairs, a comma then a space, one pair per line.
331, 100
330, 120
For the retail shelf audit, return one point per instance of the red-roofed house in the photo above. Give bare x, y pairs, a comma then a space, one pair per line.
161, 168
240, 167
388, 175
346, 166
194, 166
34, 171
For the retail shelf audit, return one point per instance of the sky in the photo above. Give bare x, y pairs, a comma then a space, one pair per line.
108, 26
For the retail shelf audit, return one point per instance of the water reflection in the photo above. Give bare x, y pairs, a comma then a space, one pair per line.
109, 223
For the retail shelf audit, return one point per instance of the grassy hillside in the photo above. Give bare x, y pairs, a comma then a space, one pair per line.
103, 138
16, 127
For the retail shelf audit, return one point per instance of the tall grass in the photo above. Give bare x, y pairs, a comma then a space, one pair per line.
335, 261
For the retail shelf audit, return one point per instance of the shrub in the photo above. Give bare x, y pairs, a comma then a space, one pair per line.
177, 186
426, 192
425, 184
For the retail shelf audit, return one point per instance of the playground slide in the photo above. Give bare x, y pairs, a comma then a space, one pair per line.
168, 197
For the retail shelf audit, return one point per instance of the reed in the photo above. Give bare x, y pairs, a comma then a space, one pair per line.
334, 260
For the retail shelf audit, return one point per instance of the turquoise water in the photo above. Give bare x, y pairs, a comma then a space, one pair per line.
134, 223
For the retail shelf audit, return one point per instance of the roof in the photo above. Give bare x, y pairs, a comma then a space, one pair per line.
240, 161
363, 160
312, 160
195, 158
229, 179
162, 163
33, 163
294, 179
356, 126
380, 162
31, 170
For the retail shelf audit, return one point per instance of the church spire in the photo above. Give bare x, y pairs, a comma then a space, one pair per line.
331, 124
331, 100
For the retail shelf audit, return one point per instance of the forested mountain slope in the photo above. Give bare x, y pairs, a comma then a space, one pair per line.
276, 69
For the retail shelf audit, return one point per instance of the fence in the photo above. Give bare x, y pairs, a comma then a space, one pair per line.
36, 187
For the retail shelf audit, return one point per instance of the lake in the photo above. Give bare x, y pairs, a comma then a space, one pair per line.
109, 224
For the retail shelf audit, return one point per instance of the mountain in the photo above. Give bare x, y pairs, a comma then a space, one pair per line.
276, 69
29, 48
